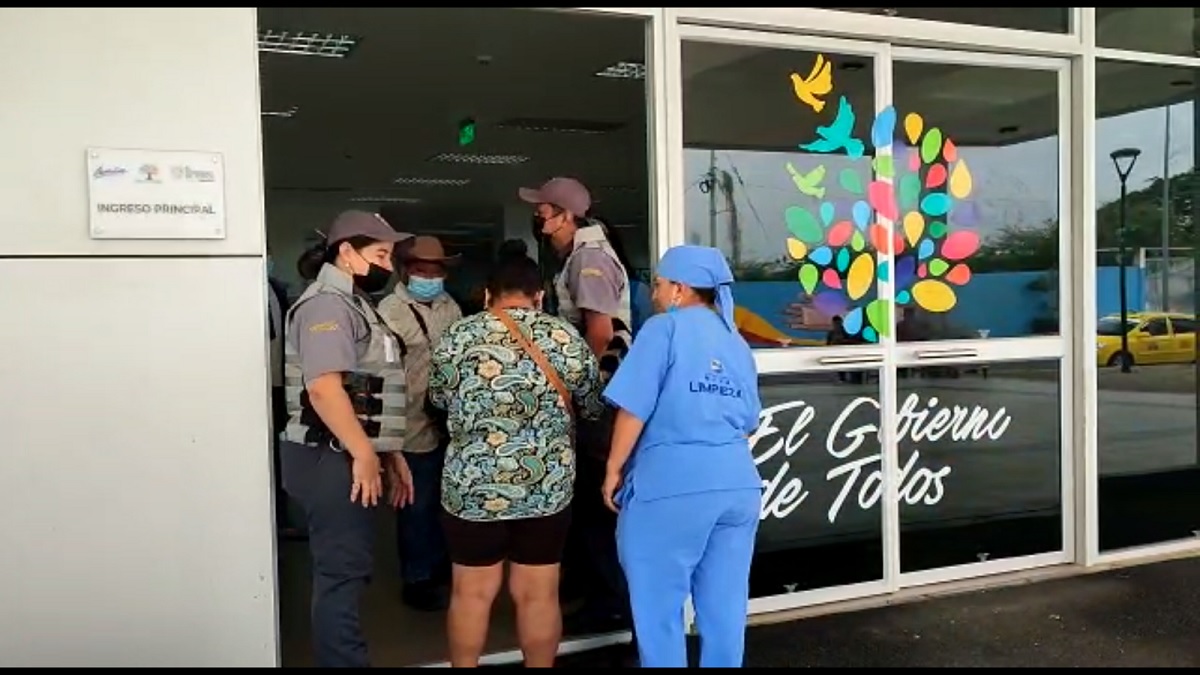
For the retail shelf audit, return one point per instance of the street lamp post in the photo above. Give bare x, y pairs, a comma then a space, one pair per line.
1123, 160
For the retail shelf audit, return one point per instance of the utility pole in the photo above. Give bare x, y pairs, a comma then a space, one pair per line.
711, 182
1164, 269
735, 231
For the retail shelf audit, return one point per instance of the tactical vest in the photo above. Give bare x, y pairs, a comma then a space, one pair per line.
591, 236
377, 385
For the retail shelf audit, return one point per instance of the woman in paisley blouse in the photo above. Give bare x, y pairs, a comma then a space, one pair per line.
509, 474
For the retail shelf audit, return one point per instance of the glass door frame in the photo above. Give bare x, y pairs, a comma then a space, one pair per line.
808, 359
887, 355
1032, 348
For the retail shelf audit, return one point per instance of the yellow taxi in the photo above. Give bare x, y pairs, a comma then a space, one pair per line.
1153, 337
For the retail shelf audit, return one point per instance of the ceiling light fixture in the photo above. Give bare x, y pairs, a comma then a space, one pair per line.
388, 200
466, 158
286, 114
624, 70
300, 43
432, 182
562, 126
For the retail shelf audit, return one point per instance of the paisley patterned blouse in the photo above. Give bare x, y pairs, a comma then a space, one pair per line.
510, 453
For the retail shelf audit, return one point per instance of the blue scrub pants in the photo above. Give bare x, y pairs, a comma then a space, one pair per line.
699, 543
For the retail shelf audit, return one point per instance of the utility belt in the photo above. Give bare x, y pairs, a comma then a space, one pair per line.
364, 392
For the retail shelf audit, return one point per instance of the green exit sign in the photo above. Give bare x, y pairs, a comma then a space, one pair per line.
466, 132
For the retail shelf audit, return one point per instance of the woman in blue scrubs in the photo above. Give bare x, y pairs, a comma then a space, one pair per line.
680, 473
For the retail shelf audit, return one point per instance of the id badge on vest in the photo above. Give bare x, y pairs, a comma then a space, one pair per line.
391, 349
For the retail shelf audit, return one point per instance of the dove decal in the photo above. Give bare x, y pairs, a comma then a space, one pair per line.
839, 134
809, 183
818, 83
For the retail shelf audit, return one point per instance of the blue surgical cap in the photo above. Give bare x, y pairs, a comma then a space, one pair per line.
701, 267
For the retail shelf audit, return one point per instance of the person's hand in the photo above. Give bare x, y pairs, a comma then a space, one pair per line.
367, 480
400, 481
612, 483
796, 317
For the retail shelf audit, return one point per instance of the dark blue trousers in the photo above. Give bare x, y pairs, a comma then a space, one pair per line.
341, 541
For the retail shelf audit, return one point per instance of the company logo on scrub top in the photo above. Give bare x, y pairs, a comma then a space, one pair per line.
715, 384
108, 171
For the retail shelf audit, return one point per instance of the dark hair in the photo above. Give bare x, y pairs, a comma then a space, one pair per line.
357, 243
515, 274
707, 295
512, 248
310, 261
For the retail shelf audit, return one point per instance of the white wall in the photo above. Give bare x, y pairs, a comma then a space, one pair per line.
135, 525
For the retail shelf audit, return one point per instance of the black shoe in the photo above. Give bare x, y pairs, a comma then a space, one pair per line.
426, 596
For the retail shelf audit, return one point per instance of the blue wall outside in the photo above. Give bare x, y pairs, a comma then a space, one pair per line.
999, 301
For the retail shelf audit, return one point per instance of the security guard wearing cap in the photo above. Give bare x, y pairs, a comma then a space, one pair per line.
345, 388
592, 291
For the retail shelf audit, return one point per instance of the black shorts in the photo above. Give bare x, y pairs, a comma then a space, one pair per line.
528, 541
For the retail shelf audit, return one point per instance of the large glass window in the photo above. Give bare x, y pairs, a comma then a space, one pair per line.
987, 265
817, 448
980, 463
789, 207
1044, 19
1146, 222
1161, 30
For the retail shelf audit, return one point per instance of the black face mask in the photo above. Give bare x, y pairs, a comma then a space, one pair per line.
374, 281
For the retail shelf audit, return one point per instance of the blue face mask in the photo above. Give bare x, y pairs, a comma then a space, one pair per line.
424, 290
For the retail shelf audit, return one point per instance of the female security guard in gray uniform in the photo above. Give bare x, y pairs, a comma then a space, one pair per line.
345, 388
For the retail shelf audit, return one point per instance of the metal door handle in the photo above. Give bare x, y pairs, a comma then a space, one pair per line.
849, 360
948, 354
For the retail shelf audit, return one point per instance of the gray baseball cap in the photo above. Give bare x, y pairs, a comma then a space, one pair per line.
363, 224
567, 194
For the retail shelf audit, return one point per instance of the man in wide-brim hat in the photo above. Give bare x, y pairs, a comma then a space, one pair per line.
419, 310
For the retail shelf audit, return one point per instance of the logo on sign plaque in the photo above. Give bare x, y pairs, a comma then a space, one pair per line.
169, 194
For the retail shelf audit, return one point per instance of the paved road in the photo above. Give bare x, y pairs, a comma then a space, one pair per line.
1143, 617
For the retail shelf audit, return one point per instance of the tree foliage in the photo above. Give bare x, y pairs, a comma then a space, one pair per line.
1035, 248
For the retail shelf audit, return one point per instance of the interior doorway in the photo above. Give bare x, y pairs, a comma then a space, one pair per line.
434, 118
914, 358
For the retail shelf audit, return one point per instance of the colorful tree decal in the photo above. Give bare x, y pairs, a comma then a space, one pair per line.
838, 268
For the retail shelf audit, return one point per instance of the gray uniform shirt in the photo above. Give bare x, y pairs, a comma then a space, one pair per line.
329, 336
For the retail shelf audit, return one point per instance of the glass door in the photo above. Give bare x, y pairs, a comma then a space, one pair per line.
779, 170
981, 281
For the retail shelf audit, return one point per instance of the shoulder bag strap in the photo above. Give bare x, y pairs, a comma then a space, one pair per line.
421, 324
538, 357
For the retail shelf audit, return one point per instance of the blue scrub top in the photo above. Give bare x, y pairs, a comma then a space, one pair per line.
693, 383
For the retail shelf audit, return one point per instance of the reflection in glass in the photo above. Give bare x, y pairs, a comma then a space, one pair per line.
981, 244
980, 463
1162, 30
779, 175
1044, 19
1149, 488
818, 451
